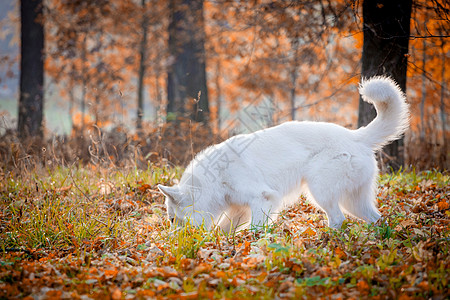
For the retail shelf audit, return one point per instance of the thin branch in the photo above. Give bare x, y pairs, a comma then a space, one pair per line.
414, 37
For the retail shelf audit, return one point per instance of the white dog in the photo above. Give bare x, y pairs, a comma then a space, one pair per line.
249, 178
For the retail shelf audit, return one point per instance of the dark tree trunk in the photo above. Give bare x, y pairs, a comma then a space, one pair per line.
141, 74
442, 106
187, 75
31, 99
386, 38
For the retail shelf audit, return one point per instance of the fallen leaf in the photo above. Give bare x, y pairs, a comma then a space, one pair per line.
309, 232
201, 268
362, 286
116, 294
443, 205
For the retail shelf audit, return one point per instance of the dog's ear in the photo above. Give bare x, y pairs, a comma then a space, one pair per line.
171, 192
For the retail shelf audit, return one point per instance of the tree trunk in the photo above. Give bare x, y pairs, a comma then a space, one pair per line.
294, 47
186, 86
71, 86
442, 106
31, 99
424, 92
386, 38
219, 97
142, 53
83, 83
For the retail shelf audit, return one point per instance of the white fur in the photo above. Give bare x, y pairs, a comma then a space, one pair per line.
250, 178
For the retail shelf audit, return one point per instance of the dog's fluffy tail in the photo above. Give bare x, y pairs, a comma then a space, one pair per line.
392, 112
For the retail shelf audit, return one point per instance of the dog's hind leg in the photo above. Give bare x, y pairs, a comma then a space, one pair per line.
327, 197
361, 203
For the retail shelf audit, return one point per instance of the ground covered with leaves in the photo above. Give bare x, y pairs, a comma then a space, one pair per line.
89, 233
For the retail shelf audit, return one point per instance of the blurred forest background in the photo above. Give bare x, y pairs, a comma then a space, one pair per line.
149, 80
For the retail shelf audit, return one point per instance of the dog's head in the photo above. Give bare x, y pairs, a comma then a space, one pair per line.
175, 199
188, 201
180, 206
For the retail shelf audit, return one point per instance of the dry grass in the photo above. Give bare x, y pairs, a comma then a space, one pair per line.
176, 143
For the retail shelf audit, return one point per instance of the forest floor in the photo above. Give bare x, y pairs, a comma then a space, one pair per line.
92, 233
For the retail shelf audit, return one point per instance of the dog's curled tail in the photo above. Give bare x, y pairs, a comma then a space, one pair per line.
392, 112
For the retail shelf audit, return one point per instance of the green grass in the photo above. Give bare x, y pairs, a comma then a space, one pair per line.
65, 207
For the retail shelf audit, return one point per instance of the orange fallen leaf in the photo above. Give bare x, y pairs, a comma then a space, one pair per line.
116, 294
423, 285
297, 268
221, 274
145, 293
53, 294
340, 253
309, 232
144, 187
247, 248
443, 205
201, 268
110, 273
362, 286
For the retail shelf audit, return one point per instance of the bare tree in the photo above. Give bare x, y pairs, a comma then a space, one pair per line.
386, 39
141, 73
31, 99
187, 75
